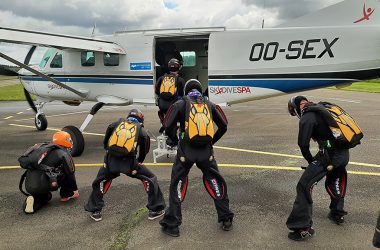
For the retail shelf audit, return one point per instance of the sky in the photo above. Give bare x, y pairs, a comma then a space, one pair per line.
77, 17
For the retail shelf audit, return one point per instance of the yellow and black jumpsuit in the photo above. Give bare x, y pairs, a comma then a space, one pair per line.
311, 126
203, 157
114, 166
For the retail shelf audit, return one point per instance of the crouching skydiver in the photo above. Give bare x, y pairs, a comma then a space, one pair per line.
196, 116
49, 167
311, 126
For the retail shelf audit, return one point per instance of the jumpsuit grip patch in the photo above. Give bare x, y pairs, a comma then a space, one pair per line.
104, 186
182, 189
214, 187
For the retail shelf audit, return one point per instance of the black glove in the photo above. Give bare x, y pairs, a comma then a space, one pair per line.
323, 158
171, 143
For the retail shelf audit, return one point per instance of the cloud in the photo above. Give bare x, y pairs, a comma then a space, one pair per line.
77, 17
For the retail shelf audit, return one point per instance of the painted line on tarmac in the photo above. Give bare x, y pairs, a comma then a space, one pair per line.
223, 165
19, 113
50, 129
8, 117
63, 114
291, 156
57, 129
227, 148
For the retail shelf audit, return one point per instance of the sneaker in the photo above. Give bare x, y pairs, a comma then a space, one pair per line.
337, 218
172, 231
155, 214
227, 225
75, 195
96, 216
301, 234
29, 203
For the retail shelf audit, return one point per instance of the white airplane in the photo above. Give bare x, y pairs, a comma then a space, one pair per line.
335, 46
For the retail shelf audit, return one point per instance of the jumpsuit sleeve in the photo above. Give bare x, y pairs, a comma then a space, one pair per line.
180, 86
171, 118
306, 128
66, 162
144, 145
157, 86
220, 120
108, 134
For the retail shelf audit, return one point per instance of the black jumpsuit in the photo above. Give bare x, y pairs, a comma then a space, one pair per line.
61, 160
311, 126
203, 157
112, 168
163, 104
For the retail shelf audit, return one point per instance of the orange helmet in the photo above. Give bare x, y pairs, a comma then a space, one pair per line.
63, 139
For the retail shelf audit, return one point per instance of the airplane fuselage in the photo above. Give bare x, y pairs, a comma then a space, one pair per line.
234, 66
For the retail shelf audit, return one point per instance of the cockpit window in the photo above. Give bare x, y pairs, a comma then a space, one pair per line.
57, 61
88, 58
111, 59
46, 57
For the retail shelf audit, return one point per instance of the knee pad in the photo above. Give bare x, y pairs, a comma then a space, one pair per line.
215, 184
105, 185
182, 188
336, 185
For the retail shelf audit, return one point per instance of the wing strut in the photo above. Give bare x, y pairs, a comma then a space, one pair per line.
22, 65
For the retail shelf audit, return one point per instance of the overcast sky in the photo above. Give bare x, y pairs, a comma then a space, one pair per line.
77, 17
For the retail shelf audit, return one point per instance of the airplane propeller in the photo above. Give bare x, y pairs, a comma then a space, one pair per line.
26, 93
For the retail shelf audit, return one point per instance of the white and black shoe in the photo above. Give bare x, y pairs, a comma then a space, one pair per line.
155, 214
96, 216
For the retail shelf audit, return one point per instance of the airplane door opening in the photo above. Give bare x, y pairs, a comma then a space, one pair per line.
191, 50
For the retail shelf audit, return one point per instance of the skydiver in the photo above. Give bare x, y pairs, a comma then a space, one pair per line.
168, 89
196, 116
123, 139
311, 126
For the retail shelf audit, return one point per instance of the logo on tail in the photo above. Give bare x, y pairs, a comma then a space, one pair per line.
366, 14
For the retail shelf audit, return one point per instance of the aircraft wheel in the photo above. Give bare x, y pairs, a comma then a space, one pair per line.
78, 140
41, 122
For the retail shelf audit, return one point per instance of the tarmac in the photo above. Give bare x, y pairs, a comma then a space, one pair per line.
258, 157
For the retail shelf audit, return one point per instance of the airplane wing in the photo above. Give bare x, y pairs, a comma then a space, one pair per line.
59, 41
349, 12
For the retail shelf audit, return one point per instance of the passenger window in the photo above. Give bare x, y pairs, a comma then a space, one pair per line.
88, 58
189, 58
57, 61
111, 59
46, 57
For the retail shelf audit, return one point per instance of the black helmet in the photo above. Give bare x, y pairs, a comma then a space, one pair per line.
294, 105
174, 65
136, 113
192, 84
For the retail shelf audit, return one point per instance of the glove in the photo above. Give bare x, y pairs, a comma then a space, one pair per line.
171, 143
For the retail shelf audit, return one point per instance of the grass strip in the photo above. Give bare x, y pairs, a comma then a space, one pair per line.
128, 224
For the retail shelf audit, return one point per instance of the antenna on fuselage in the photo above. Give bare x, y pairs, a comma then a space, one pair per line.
262, 23
93, 30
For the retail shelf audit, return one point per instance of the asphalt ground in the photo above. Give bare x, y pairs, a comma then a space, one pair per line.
258, 157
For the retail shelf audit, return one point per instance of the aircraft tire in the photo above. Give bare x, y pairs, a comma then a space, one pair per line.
78, 140
40, 122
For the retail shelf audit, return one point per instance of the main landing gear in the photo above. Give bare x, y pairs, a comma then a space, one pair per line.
76, 133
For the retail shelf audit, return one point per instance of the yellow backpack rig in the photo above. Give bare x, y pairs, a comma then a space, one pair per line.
345, 130
199, 126
168, 87
123, 141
